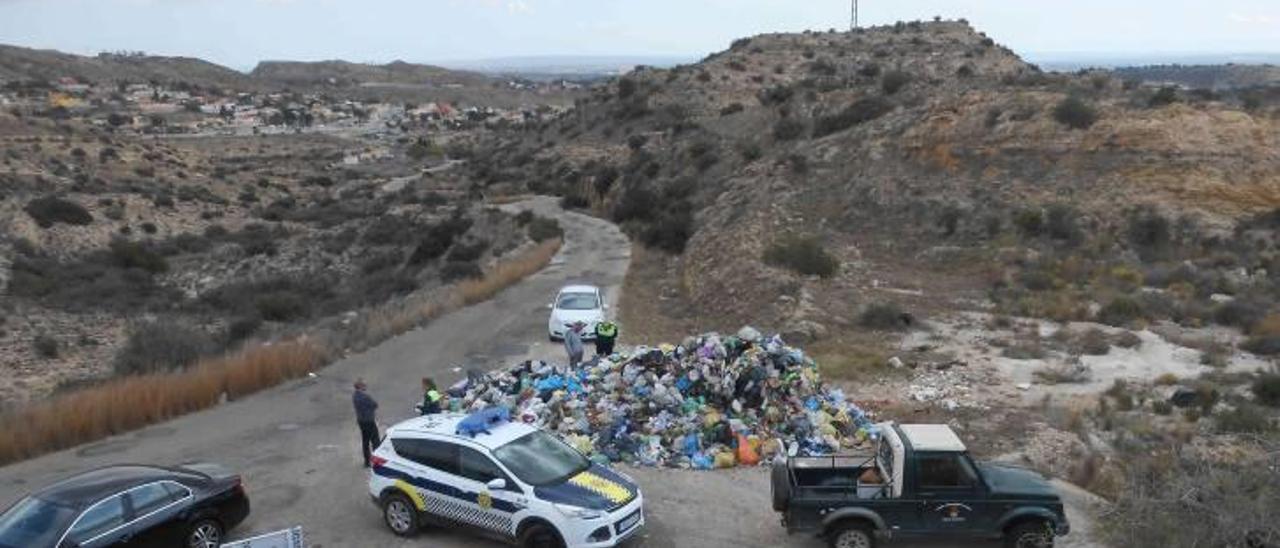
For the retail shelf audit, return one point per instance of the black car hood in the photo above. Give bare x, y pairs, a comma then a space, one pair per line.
1015, 482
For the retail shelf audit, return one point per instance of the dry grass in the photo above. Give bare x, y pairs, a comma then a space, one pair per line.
134, 402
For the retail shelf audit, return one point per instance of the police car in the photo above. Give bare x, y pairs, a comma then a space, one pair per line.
501, 479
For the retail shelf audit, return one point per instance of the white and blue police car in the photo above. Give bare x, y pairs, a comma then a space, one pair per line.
502, 479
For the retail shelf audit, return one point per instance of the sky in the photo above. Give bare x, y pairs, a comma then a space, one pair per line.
239, 33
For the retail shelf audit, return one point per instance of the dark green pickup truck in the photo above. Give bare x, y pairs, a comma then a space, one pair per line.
921, 482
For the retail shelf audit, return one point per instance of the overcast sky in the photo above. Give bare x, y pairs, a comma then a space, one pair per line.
239, 33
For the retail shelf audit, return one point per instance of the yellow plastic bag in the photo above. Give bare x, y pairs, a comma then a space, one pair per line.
725, 459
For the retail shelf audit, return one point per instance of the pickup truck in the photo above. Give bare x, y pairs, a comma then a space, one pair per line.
920, 482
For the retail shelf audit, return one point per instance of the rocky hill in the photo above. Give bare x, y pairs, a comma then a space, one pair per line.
18, 63
343, 73
795, 178
1214, 77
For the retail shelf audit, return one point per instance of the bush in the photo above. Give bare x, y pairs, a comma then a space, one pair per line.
861, 111
885, 316
1075, 113
161, 346
788, 128
1264, 345
127, 254
1266, 388
51, 210
1060, 223
1149, 233
1121, 311
637, 203
1244, 419
460, 270
804, 255
731, 109
672, 230
1030, 222
626, 88
542, 229
439, 238
1167, 95
1238, 313
894, 81
574, 201
776, 95
243, 328
524, 217
46, 346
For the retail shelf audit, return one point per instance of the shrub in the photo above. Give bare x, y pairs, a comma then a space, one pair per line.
626, 88
439, 238
1244, 419
637, 203
1265, 345
1075, 113
776, 95
869, 70
1030, 222
861, 111
574, 201
1024, 351
1094, 342
46, 346
1149, 233
51, 210
243, 328
804, 255
127, 254
281, 306
1061, 224
893, 81
1166, 95
161, 346
1238, 313
1065, 373
1121, 311
460, 270
1266, 388
672, 230
468, 252
542, 229
788, 128
887, 316
524, 217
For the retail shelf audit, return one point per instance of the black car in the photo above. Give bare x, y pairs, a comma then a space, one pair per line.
134, 506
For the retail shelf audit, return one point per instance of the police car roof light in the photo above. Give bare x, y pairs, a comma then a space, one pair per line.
480, 421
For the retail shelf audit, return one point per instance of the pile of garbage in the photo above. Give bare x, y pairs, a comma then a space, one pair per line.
711, 402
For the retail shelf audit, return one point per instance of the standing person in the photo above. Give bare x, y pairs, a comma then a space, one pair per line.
573, 344
606, 335
366, 417
432, 400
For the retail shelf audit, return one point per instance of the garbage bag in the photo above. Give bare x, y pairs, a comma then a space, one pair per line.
746, 455
725, 459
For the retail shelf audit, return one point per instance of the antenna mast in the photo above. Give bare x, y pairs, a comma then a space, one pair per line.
855, 15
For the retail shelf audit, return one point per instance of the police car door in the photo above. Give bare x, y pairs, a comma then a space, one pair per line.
499, 507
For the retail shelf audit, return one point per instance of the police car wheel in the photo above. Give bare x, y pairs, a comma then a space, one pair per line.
540, 536
401, 516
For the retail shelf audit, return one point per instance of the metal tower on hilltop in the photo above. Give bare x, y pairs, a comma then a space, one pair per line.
855, 16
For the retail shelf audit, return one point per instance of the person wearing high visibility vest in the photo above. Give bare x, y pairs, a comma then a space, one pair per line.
606, 335
432, 400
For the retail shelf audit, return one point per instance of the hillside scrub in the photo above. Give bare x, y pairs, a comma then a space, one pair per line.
160, 346
802, 254
861, 111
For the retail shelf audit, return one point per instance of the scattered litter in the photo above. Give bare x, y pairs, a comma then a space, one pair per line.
1023, 386
711, 402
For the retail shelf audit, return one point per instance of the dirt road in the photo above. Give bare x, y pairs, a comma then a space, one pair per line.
296, 443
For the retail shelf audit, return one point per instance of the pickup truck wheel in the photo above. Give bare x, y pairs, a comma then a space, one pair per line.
852, 535
1034, 534
781, 487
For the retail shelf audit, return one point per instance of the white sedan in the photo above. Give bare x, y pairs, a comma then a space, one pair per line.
576, 303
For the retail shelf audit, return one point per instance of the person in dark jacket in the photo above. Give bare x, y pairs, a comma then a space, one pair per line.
606, 335
432, 399
366, 417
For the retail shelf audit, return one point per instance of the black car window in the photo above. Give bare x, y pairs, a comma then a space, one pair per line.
442, 456
176, 491
99, 519
149, 498
476, 466
944, 471
34, 522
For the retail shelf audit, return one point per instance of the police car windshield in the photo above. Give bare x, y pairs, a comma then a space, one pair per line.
578, 301
34, 522
540, 459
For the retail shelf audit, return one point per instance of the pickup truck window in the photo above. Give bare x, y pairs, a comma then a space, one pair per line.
945, 472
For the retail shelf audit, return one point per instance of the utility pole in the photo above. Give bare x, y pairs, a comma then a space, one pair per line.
855, 15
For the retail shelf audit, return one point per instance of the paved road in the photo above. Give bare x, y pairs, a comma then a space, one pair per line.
296, 444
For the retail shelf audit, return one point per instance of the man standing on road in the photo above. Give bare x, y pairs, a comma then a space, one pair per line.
366, 417
606, 335
573, 344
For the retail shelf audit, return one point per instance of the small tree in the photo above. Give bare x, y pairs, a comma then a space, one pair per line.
894, 81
